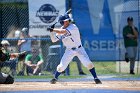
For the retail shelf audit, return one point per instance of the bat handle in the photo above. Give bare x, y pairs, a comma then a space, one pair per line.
55, 23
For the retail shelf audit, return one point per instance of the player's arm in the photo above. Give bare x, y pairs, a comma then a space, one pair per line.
128, 35
54, 31
28, 63
134, 35
60, 31
40, 61
27, 60
54, 37
20, 42
135, 31
18, 55
14, 55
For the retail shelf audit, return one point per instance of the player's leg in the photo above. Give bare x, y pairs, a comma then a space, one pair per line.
82, 55
132, 52
66, 59
79, 66
88, 64
29, 70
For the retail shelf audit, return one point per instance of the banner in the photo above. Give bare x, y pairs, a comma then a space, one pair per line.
43, 13
101, 23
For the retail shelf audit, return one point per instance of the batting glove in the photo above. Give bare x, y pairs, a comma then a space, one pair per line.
50, 29
52, 26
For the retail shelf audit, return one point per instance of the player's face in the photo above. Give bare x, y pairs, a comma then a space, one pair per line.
130, 22
66, 23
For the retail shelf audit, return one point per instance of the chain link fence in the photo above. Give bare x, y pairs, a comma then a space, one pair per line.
14, 16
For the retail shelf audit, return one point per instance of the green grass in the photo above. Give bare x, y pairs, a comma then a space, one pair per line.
101, 68
128, 76
106, 67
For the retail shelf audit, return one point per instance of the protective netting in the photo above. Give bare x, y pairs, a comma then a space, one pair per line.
14, 16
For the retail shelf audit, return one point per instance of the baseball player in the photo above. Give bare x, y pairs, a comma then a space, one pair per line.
4, 78
131, 35
5, 56
70, 36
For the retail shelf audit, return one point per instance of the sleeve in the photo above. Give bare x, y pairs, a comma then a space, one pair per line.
40, 58
27, 58
54, 37
72, 29
124, 32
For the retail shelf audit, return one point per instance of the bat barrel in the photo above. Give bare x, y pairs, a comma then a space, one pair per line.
69, 11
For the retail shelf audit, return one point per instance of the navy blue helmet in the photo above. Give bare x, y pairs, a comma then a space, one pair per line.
63, 18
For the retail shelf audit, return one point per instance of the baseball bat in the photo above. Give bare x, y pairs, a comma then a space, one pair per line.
67, 12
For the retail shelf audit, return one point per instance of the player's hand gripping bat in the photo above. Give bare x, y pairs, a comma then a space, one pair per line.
50, 28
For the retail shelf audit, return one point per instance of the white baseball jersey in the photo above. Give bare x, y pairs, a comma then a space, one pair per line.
73, 45
72, 37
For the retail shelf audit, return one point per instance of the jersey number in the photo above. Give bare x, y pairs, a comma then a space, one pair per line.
72, 40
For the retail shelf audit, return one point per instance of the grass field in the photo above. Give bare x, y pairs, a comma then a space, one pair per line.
102, 68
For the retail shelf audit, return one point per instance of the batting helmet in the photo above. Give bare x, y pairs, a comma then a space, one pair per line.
63, 18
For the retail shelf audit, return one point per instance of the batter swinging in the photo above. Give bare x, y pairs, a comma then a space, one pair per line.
70, 36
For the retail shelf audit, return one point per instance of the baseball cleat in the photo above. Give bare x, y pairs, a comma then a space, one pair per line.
82, 73
53, 81
97, 81
132, 72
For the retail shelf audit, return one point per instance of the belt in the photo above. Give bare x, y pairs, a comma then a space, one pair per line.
74, 48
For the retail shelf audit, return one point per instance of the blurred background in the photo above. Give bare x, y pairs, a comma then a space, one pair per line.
100, 23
